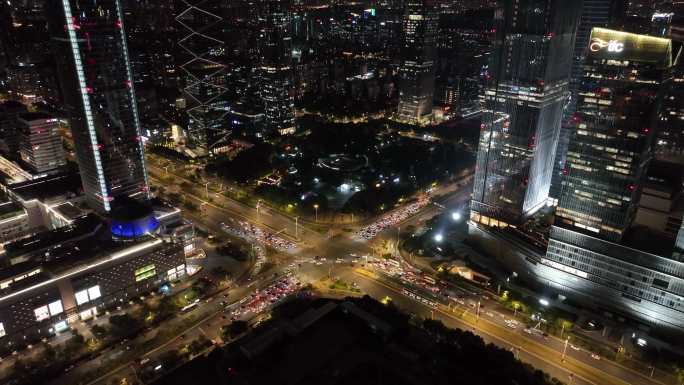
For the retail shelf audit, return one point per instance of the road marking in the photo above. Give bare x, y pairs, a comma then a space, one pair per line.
575, 362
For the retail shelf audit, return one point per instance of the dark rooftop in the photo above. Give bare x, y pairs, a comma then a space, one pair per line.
81, 228
50, 186
648, 240
28, 116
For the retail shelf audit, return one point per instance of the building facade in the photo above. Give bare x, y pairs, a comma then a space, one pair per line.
525, 92
40, 142
418, 55
97, 87
276, 72
35, 305
202, 61
614, 130
595, 13
596, 251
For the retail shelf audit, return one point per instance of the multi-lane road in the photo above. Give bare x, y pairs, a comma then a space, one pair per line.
546, 353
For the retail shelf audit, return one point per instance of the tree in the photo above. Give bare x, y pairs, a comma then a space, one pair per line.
124, 326
198, 345
74, 345
99, 331
679, 374
170, 359
233, 330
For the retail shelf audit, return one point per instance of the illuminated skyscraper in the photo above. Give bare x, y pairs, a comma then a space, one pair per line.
526, 90
97, 86
614, 127
201, 57
595, 13
275, 52
596, 251
418, 51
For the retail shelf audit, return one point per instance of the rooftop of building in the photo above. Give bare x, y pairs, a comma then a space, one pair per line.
29, 116
8, 208
68, 211
68, 183
49, 254
12, 106
645, 239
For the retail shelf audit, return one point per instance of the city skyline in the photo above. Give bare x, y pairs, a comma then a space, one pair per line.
245, 191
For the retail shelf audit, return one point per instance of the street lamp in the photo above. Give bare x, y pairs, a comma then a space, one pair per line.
456, 216
296, 228
565, 348
439, 237
316, 209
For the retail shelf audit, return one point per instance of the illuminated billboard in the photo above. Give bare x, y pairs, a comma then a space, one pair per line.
618, 45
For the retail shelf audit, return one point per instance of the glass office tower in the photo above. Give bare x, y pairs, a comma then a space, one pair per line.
276, 71
614, 129
525, 92
596, 252
595, 13
202, 57
97, 85
418, 51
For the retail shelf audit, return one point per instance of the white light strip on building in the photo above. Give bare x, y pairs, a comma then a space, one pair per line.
86, 102
564, 268
78, 270
134, 101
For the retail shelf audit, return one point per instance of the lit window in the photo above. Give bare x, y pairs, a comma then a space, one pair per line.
81, 297
94, 292
61, 326
42, 313
56, 307
145, 272
2, 330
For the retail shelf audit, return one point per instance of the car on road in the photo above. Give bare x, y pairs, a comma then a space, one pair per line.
595, 356
528, 331
573, 347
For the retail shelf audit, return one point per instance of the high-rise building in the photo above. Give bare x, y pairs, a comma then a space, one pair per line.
596, 251
595, 13
614, 128
202, 61
418, 51
97, 87
40, 142
525, 93
277, 82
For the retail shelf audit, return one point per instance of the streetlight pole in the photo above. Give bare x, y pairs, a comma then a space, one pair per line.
478, 311
565, 348
206, 187
296, 228
316, 210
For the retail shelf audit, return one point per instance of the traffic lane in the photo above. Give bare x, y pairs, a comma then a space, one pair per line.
211, 307
376, 290
501, 313
556, 344
266, 215
541, 351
